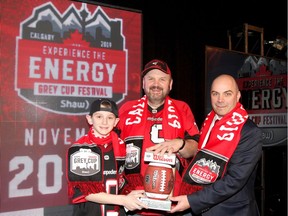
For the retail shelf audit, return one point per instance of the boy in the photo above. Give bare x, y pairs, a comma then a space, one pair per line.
95, 166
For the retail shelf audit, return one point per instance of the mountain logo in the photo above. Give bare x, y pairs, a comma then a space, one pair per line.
64, 61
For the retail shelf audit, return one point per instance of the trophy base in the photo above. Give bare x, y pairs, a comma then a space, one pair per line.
163, 205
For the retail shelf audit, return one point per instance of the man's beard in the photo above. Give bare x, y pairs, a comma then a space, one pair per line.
156, 98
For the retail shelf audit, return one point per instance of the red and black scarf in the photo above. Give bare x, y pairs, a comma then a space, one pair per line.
134, 115
85, 159
210, 162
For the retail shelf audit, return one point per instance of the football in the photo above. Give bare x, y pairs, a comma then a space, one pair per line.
158, 180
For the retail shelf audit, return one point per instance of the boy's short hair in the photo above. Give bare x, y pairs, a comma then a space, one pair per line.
104, 105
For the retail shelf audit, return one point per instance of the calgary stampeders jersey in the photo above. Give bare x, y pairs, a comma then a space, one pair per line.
141, 127
95, 165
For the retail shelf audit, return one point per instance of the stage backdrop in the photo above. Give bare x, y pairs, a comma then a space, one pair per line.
57, 57
263, 85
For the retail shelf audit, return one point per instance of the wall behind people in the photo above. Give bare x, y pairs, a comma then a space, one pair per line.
178, 32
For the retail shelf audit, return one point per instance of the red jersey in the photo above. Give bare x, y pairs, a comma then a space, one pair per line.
141, 127
95, 165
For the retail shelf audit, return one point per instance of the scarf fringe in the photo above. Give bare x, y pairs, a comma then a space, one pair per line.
86, 188
134, 181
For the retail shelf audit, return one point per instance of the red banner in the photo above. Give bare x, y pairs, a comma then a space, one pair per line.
56, 58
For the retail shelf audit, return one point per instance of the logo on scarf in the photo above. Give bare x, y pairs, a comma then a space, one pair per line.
204, 172
85, 162
132, 156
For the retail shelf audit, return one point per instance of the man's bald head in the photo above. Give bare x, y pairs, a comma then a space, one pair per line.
224, 94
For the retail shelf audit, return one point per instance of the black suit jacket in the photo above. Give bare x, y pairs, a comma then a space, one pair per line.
233, 194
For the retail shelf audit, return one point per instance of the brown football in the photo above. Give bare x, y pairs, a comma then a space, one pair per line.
158, 180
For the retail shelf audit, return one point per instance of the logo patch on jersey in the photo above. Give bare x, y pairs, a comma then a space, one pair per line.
132, 156
85, 162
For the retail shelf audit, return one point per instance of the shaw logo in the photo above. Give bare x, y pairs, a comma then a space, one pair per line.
66, 61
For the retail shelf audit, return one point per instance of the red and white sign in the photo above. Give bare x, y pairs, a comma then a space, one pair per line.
57, 57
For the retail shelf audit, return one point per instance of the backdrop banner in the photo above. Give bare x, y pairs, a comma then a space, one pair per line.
263, 85
57, 57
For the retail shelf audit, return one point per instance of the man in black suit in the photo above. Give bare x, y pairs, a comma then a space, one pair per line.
220, 178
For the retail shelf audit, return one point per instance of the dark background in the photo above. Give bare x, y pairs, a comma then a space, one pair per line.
178, 31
